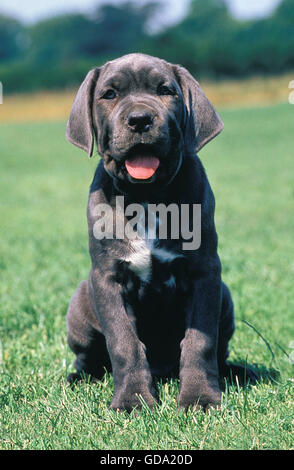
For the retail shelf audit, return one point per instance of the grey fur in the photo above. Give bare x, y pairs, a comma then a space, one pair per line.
162, 315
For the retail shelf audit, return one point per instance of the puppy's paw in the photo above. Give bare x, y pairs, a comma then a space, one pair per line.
200, 402
74, 378
199, 388
131, 401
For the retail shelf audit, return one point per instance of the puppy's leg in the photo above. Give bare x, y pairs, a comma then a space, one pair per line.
85, 338
199, 384
131, 373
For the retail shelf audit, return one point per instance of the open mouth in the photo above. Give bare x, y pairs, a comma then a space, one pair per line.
141, 165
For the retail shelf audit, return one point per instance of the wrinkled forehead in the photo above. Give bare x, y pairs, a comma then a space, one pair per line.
135, 70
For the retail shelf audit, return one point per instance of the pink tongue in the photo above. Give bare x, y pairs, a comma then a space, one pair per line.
142, 168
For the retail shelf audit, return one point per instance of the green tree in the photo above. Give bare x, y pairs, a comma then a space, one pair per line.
111, 30
11, 38
60, 38
267, 45
202, 40
122, 28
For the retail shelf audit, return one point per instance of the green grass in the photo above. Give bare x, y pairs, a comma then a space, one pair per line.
44, 255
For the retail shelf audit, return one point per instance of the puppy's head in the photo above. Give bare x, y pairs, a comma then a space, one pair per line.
145, 114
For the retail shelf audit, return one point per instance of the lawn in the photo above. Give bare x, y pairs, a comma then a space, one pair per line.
44, 255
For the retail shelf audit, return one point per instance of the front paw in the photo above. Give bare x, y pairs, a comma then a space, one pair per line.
200, 400
199, 391
129, 400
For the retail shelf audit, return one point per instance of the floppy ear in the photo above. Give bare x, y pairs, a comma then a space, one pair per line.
202, 121
79, 125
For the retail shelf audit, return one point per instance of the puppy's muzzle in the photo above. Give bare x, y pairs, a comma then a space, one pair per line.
140, 120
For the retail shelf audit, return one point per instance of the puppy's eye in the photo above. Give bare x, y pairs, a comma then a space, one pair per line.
164, 90
109, 95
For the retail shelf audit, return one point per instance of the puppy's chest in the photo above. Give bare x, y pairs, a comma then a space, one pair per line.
154, 265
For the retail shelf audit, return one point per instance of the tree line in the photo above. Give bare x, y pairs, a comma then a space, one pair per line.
58, 51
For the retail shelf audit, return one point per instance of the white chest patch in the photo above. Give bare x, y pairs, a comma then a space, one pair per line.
141, 258
142, 250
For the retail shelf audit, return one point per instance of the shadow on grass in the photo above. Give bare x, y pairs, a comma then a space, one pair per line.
246, 375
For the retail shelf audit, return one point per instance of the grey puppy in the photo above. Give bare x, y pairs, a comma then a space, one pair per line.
149, 309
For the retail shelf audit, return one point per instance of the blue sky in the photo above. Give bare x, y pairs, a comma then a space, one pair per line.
32, 10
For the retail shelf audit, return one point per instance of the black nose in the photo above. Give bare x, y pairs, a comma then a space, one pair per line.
140, 121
